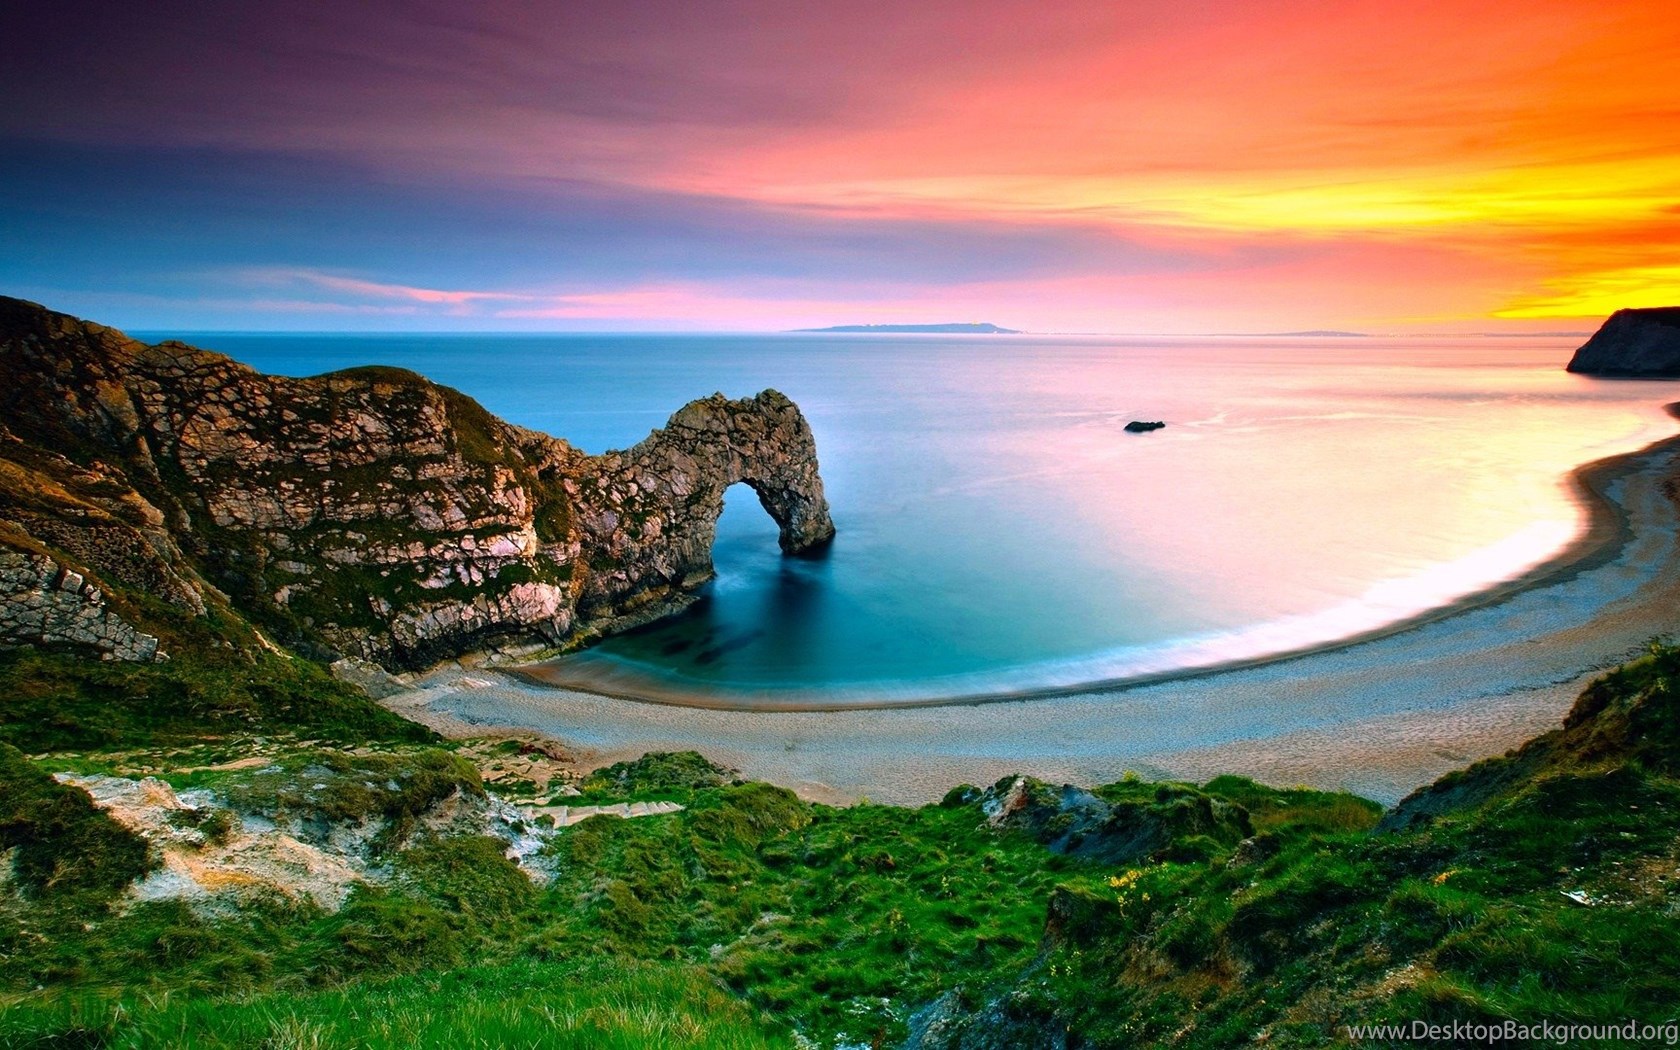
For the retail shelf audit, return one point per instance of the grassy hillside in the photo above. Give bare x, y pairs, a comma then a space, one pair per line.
1027, 914
63, 701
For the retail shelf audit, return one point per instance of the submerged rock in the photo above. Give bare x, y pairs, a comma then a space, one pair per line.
1633, 343
367, 513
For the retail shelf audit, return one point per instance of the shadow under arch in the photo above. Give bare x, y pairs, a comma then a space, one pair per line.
647, 517
757, 599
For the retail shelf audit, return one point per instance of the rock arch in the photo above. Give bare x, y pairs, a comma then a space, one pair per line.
366, 513
648, 515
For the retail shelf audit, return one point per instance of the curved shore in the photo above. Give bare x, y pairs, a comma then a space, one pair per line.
1608, 530
1380, 713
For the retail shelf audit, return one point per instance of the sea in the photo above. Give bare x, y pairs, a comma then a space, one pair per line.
1000, 532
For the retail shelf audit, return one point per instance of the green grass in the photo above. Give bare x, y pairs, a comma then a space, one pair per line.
335, 787
59, 702
1184, 915
60, 842
1521, 902
813, 913
602, 1005
656, 775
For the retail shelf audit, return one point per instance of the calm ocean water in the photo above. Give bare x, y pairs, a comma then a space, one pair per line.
1000, 531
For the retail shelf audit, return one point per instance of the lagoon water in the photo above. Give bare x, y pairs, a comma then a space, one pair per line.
1000, 531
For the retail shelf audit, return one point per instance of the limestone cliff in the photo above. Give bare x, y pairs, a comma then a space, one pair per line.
1633, 343
43, 603
366, 513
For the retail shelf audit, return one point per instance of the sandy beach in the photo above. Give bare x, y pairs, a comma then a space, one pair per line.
1378, 715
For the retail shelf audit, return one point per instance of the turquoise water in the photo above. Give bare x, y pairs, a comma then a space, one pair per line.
1000, 531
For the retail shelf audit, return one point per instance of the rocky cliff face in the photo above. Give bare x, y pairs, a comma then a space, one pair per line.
1633, 343
366, 513
43, 603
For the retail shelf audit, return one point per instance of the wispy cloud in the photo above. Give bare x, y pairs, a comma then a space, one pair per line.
1599, 293
523, 162
362, 288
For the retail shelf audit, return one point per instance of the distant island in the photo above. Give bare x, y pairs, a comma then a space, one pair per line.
918, 329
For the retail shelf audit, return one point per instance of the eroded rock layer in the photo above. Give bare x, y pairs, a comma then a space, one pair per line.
45, 604
366, 513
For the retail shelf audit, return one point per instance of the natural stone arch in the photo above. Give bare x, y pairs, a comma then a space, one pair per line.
648, 515
365, 513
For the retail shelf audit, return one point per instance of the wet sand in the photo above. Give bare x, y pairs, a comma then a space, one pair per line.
1378, 715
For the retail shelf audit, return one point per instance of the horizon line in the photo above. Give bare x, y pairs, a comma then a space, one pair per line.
1301, 334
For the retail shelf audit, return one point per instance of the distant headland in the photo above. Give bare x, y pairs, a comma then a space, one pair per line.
1633, 342
917, 329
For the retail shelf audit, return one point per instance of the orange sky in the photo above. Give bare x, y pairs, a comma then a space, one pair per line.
1152, 165
1465, 160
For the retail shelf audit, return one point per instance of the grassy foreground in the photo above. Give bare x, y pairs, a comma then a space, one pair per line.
1542, 886
605, 1005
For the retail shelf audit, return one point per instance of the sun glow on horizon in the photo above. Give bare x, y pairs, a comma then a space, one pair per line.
1235, 165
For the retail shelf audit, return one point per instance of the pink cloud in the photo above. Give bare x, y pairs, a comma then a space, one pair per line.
373, 296
366, 289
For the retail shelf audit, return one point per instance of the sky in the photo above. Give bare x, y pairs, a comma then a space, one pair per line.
734, 165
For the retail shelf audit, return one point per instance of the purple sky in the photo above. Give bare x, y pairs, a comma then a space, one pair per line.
1147, 166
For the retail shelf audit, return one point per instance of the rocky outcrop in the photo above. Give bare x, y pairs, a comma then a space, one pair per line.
1123, 824
369, 513
646, 517
44, 604
1633, 343
218, 848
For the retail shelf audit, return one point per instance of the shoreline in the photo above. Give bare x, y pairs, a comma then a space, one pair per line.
1607, 531
1379, 715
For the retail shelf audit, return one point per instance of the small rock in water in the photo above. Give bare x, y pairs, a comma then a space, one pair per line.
1138, 426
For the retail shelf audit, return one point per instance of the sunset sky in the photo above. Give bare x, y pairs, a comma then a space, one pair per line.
1160, 166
